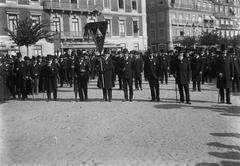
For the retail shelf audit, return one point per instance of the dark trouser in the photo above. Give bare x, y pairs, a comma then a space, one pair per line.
36, 85
83, 89
107, 93
186, 89
41, 83
120, 81
128, 83
11, 85
198, 84
138, 81
236, 83
164, 76
21, 88
154, 88
52, 87
221, 93
62, 76
70, 77
54, 94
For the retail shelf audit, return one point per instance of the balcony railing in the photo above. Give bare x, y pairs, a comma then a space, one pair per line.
54, 5
68, 35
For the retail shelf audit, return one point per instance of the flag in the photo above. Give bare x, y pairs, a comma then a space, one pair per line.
98, 32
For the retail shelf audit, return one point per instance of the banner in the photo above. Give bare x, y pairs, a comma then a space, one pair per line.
98, 32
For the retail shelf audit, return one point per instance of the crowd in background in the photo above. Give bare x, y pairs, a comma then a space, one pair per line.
26, 76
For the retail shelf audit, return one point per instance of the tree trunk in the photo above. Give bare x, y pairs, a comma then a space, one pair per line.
27, 51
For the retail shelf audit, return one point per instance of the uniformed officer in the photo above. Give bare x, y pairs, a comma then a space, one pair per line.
225, 75
152, 74
82, 73
182, 74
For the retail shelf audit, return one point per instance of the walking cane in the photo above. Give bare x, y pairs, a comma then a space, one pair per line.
176, 91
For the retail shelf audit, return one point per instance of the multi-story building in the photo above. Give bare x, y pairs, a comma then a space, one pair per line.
170, 20
127, 27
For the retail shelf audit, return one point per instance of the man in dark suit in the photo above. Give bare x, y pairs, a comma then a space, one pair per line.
128, 77
152, 73
236, 69
105, 78
138, 69
197, 68
225, 75
182, 73
82, 72
164, 66
20, 70
50, 71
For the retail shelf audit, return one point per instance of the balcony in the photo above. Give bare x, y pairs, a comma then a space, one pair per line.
68, 35
66, 6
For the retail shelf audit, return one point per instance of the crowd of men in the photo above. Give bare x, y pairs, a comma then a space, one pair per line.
28, 76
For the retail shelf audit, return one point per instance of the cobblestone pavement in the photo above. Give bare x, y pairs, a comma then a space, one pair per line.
138, 133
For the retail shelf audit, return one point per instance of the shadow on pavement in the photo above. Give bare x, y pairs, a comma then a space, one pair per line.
207, 164
230, 163
235, 135
226, 155
228, 110
220, 145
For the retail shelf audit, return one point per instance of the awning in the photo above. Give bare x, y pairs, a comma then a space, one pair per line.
206, 17
213, 18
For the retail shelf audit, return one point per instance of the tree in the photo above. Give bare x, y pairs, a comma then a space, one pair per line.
235, 41
188, 41
27, 32
209, 38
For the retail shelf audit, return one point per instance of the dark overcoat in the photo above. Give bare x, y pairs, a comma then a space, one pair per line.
197, 68
183, 71
50, 73
224, 66
106, 74
151, 68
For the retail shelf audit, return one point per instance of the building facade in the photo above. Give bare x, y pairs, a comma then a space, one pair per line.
127, 27
170, 20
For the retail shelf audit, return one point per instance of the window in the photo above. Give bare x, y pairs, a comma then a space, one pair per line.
109, 27
55, 26
161, 34
222, 21
37, 50
35, 19
216, 8
90, 2
122, 27
12, 22
107, 4
135, 28
161, 16
200, 19
226, 10
121, 4
136, 46
75, 25
134, 4
73, 1
221, 9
